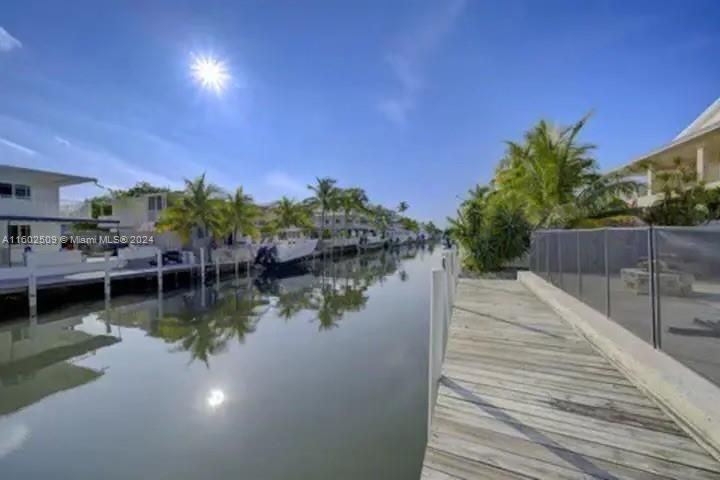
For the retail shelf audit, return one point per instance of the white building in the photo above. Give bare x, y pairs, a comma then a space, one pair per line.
30, 209
135, 214
138, 214
697, 146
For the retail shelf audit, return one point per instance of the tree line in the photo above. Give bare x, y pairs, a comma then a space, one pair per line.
202, 205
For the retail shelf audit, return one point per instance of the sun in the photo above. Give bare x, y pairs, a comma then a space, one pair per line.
211, 73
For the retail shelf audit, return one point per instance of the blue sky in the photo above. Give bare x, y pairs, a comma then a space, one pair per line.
411, 100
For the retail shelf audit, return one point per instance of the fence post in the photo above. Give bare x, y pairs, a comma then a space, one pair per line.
579, 267
431, 352
607, 272
158, 258
657, 321
547, 255
438, 296
107, 275
202, 265
559, 262
651, 285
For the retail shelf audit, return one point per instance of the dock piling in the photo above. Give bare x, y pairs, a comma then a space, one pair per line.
202, 266
158, 256
32, 290
107, 275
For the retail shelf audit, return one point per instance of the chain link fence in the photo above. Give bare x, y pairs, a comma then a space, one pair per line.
660, 283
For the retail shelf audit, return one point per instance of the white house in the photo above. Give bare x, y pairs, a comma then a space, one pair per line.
30, 209
135, 214
138, 214
697, 146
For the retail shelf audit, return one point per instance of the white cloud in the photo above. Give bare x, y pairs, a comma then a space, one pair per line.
7, 41
62, 141
409, 57
16, 146
285, 184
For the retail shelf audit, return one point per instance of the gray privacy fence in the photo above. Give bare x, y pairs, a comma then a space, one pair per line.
661, 283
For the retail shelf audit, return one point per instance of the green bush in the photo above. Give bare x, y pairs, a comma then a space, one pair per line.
491, 231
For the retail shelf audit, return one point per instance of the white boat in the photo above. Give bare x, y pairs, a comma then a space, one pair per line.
401, 237
288, 247
371, 240
340, 244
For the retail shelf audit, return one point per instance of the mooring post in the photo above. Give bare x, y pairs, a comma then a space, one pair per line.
32, 289
217, 270
237, 269
107, 275
158, 257
160, 309
202, 265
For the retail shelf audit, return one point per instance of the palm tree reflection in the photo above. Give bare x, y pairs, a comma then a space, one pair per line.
204, 323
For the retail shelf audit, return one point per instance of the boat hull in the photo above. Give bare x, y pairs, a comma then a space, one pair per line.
281, 254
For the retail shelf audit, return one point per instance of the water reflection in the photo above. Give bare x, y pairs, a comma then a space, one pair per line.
35, 359
328, 361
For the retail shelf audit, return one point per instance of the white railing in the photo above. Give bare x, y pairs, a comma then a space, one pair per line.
443, 286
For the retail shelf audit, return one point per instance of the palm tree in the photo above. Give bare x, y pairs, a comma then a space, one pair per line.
288, 213
555, 176
241, 214
198, 207
402, 206
325, 195
381, 218
352, 200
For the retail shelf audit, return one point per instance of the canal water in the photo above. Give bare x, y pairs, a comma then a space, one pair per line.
317, 374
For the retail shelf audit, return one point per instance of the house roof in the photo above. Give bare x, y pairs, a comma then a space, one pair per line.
710, 117
60, 179
705, 125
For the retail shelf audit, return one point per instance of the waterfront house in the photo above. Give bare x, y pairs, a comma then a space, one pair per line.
697, 146
30, 215
137, 215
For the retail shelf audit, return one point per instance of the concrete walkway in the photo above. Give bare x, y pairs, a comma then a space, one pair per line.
524, 396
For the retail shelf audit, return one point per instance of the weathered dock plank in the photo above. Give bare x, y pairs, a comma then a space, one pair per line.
524, 396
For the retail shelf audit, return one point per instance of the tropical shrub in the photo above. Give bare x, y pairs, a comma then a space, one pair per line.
491, 230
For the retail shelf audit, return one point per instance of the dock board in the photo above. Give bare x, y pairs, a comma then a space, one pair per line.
523, 396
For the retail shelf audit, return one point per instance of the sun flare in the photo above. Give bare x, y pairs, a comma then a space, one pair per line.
215, 398
211, 73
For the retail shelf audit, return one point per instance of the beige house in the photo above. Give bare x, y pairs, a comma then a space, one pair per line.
697, 146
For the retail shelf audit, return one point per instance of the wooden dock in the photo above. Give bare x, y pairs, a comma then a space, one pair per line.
524, 396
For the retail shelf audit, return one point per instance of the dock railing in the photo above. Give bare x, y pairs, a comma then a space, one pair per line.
443, 285
660, 283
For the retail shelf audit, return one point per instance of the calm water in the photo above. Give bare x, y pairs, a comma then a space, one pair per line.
319, 375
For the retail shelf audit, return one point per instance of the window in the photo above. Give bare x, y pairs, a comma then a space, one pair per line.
6, 190
22, 191
15, 231
155, 202
106, 210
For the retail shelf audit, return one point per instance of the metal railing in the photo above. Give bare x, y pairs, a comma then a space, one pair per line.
660, 283
443, 286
